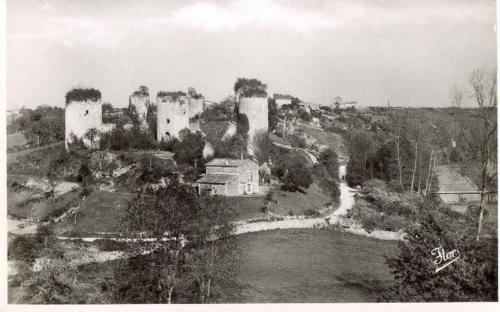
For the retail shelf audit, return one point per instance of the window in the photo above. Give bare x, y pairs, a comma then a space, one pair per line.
168, 121
250, 176
86, 112
249, 188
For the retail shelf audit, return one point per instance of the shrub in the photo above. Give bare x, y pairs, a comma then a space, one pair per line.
310, 213
23, 249
110, 245
396, 186
391, 223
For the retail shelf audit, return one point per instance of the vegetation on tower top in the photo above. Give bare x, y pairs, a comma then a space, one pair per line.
250, 87
142, 90
79, 94
171, 94
194, 94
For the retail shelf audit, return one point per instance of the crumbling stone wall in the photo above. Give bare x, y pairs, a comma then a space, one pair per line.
173, 116
141, 103
256, 110
80, 116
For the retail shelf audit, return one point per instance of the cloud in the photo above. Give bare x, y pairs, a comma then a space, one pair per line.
246, 13
268, 14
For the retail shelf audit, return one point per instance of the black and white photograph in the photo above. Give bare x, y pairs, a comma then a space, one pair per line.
249, 152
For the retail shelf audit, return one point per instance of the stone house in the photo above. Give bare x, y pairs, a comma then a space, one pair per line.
230, 177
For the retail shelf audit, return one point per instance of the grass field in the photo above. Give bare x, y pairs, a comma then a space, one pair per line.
15, 139
295, 202
247, 207
310, 266
334, 140
19, 206
100, 212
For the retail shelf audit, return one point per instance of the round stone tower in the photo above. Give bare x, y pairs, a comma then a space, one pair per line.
139, 100
195, 106
83, 112
172, 115
256, 110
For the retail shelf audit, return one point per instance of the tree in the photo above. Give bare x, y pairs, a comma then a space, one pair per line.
482, 145
262, 145
91, 134
211, 255
291, 168
43, 125
189, 150
107, 108
329, 159
167, 216
273, 114
472, 278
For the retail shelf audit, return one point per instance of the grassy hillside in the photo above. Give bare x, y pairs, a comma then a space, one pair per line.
310, 266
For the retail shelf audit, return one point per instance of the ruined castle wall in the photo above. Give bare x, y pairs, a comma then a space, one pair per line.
173, 116
80, 116
195, 106
256, 110
141, 103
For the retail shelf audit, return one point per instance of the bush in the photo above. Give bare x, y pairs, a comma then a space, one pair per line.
311, 213
23, 249
110, 245
396, 186
391, 223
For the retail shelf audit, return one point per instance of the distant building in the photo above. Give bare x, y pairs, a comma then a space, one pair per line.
12, 115
230, 177
282, 99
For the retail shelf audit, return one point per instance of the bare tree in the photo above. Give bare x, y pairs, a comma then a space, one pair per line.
92, 135
483, 96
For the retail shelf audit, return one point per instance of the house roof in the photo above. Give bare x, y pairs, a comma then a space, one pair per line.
229, 162
218, 179
277, 96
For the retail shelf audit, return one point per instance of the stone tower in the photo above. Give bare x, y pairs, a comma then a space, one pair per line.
83, 112
139, 100
173, 114
195, 108
256, 110
251, 101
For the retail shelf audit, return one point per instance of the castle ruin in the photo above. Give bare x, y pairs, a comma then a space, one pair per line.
139, 102
83, 112
172, 115
251, 101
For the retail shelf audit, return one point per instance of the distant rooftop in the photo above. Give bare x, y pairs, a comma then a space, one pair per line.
277, 96
228, 162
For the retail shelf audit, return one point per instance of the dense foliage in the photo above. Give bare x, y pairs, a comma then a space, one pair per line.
174, 95
175, 271
41, 126
473, 277
250, 87
78, 94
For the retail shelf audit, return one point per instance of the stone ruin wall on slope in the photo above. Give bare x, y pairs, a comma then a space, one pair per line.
80, 116
141, 103
173, 116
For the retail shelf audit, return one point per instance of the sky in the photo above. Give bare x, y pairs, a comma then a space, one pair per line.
408, 52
